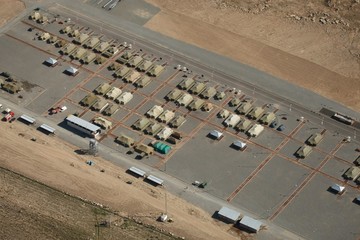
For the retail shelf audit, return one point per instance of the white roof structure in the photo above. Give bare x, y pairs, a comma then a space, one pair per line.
232, 120
216, 134
250, 224
51, 61
83, 123
165, 133
255, 130
27, 118
229, 214
47, 128
338, 188
155, 179
239, 144
137, 171
72, 70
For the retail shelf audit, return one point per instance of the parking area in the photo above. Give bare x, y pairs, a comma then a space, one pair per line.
266, 178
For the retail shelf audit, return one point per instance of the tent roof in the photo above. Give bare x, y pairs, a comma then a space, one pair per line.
51, 61
239, 143
229, 213
71, 70
338, 187
216, 133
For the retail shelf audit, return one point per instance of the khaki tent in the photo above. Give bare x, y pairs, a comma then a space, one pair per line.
207, 107
142, 82
124, 98
78, 53
177, 121
102, 122
243, 125
153, 128
68, 49
144, 66
43, 19
164, 133
114, 66
89, 100
125, 140
110, 109
223, 113
61, 43
303, 151
66, 30
121, 72
144, 149
185, 100
102, 47
208, 93
11, 87
74, 33
186, 84
268, 117
197, 88
135, 61
315, 139
132, 76
232, 120
100, 105
111, 51
81, 38
126, 56
220, 95
44, 36
255, 130
88, 57
196, 104
53, 39
102, 88
35, 16
244, 108
234, 102
352, 173
166, 116
256, 112
156, 70
100, 60
141, 124
92, 42
154, 112
174, 95
113, 93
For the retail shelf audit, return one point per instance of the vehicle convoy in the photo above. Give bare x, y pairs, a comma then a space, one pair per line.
8, 116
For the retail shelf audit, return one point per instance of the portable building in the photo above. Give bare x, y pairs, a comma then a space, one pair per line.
315, 139
88, 57
89, 100
256, 112
125, 140
352, 173
228, 215
162, 147
68, 49
239, 145
164, 133
154, 112
72, 71
208, 93
250, 224
145, 149
166, 116
100, 105
304, 151
142, 82
177, 121
197, 88
141, 124
113, 93
232, 120
102, 89
255, 130
174, 95
92, 42
83, 125
186, 84
51, 62
102, 47
144, 66
215, 134
81, 38
132, 76
156, 70
124, 98
121, 72
102, 122
184, 100
223, 113
220, 95
196, 104
153, 128
234, 102
111, 109
267, 118
244, 108
135, 61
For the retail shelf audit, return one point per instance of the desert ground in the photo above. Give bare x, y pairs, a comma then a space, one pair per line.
313, 44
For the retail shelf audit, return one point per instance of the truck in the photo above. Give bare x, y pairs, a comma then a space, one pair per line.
8, 116
57, 109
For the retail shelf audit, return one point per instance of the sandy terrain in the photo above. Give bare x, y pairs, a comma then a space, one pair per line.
54, 163
9, 9
285, 39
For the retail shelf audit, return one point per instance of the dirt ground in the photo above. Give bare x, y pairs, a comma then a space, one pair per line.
9, 9
54, 163
314, 44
